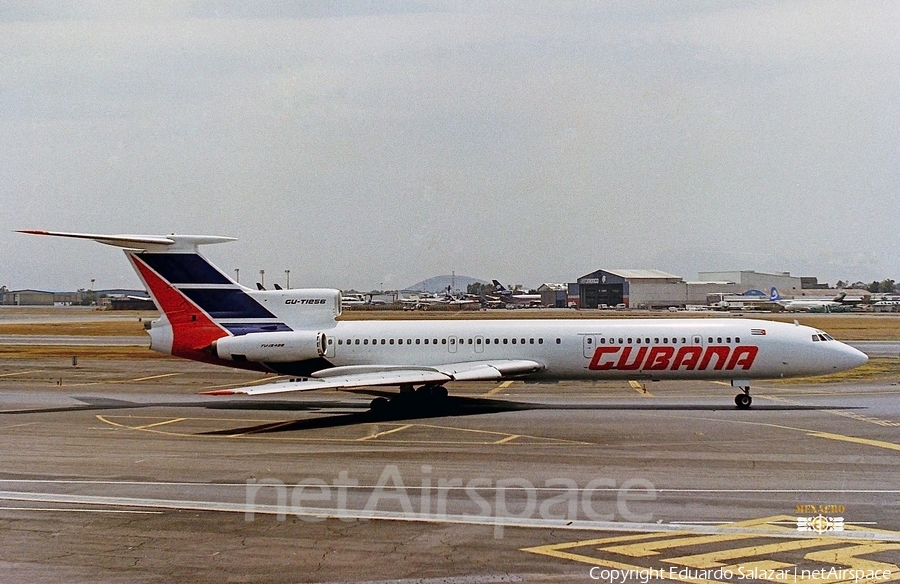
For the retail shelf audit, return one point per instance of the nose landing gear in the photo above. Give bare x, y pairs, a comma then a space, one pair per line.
743, 400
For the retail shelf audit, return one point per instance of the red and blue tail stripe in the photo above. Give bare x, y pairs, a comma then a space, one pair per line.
201, 303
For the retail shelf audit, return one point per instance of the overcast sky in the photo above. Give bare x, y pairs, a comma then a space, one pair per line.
374, 144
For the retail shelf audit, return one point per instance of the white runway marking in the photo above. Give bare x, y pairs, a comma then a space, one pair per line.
361, 514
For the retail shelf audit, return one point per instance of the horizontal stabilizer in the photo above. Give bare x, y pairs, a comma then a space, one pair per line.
141, 242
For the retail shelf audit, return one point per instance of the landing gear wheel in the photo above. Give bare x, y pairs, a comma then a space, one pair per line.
379, 404
743, 401
432, 392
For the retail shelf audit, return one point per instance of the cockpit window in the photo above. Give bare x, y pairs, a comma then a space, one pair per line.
820, 336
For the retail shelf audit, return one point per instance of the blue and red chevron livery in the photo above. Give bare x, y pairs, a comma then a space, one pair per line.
199, 304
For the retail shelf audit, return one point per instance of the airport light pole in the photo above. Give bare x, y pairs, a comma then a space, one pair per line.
287, 273
262, 278
237, 275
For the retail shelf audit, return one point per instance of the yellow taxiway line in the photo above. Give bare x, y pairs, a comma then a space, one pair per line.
500, 387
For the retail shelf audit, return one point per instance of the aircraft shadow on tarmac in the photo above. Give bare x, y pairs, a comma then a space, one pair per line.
397, 411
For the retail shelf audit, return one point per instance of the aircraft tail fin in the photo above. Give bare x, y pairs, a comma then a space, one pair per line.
774, 296
198, 302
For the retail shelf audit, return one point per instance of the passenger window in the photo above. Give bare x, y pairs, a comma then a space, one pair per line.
540, 341
443, 341
418, 341
728, 340
356, 342
522, 341
530, 341
391, 341
514, 341
638, 341
365, 341
656, 340
505, 341
558, 341
737, 339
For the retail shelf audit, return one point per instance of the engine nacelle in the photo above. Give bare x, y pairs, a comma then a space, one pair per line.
274, 347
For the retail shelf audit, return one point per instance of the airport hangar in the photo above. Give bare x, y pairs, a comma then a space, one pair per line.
657, 289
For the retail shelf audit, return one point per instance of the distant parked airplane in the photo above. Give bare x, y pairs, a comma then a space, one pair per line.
514, 299
806, 305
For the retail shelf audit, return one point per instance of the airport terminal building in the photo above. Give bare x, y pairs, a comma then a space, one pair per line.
646, 289
633, 288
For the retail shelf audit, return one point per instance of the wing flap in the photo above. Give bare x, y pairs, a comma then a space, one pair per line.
379, 375
368, 379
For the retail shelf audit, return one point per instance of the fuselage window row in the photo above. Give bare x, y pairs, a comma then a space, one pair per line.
452, 341
540, 341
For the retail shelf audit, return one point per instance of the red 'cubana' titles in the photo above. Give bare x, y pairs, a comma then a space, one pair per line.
665, 358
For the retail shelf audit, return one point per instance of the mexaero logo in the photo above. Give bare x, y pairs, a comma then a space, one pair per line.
666, 358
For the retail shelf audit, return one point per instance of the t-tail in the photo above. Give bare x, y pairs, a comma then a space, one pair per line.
204, 313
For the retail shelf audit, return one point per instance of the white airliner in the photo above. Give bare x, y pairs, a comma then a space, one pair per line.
207, 316
805, 304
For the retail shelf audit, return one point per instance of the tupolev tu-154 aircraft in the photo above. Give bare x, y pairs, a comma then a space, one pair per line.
208, 317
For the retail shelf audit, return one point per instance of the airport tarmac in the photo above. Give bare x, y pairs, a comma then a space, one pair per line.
117, 471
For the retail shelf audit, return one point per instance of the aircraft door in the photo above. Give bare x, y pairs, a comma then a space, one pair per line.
590, 345
329, 347
479, 344
451, 344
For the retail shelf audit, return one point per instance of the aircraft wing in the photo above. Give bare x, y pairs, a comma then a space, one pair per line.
376, 375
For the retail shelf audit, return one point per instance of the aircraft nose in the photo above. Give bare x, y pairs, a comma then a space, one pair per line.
853, 357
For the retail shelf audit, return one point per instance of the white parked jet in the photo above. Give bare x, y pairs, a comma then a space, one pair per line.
806, 304
207, 316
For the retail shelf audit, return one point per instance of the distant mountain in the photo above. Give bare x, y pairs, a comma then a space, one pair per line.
440, 283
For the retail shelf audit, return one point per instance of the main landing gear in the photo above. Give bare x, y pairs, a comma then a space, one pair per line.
423, 397
743, 400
